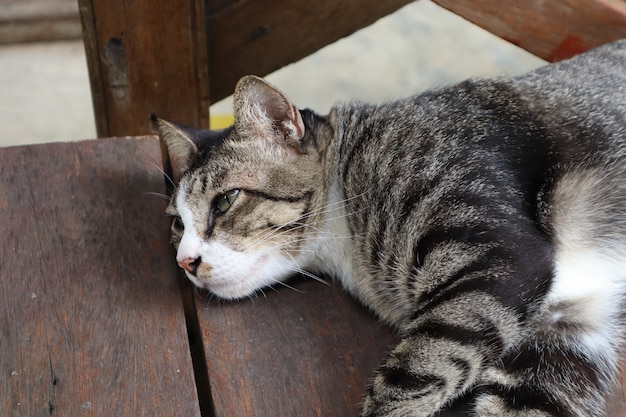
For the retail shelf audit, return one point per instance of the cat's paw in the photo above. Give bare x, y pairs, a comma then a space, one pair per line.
386, 400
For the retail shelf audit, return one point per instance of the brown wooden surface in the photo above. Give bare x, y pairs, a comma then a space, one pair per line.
91, 317
552, 30
145, 57
303, 352
261, 36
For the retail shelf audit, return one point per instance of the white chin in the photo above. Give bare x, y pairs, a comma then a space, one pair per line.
262, 273
233, 292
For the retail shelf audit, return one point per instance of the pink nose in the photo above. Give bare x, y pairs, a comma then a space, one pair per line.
190, 265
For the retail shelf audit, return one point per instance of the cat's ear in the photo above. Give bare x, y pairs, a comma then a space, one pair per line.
179, 144
184, 143
262, 110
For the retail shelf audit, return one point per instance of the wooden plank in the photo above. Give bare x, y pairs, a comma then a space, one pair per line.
308, 352
91, 316
552, 30
146, 57
261, 36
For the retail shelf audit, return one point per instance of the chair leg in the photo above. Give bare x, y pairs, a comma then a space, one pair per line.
146, 57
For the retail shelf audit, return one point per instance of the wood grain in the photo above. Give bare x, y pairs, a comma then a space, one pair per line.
552, 30
146, 57
261, 36
91, 317
303, 352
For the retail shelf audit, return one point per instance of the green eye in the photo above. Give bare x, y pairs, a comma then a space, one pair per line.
177, 224
225, 201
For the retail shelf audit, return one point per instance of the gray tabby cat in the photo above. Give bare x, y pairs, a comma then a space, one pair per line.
485, 221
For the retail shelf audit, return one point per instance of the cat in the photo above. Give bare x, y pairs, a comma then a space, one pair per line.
485, 221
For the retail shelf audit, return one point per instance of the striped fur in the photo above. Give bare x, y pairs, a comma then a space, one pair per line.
485, 221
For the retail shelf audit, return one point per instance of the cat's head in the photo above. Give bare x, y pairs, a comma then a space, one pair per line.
248, 199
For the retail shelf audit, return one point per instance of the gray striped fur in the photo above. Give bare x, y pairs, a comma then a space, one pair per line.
486, 221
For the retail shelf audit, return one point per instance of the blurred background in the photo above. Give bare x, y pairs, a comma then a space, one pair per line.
45, 92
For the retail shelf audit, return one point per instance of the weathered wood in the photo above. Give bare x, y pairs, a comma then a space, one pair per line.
91, 316
146, 57
552, 30
308, 352
261, 36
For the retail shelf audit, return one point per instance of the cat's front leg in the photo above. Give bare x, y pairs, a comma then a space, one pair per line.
441, 356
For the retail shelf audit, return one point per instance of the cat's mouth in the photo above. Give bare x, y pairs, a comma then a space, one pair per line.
231, 285
226, 289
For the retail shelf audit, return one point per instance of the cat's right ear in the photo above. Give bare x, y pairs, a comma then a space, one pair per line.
179, 144
263, 111
185, 143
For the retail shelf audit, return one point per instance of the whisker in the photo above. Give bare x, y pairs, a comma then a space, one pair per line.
203, 295
165, 174
161, 195
288, 286
252, 297
312, 276
305, 273
322, 210
280, 230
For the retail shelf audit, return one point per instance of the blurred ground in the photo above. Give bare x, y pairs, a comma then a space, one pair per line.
44, 87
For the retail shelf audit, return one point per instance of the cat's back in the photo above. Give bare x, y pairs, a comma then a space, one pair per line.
507, 194
571, 111
544, 149
596, 77
587, 92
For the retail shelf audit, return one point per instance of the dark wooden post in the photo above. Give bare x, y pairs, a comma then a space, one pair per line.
145, 57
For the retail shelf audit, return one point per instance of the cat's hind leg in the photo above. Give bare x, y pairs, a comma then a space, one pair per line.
564, 368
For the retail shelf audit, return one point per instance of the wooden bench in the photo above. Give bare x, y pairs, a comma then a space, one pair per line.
96, 318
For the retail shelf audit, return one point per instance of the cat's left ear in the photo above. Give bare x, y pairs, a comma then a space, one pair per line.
184, 143
262, 110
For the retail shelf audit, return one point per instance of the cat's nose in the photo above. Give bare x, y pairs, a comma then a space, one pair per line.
190, 265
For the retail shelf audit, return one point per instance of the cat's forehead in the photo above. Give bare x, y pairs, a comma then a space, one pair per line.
206, 179
220, 169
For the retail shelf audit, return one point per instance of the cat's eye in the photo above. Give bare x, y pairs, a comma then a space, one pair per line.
225, 201
177, 223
